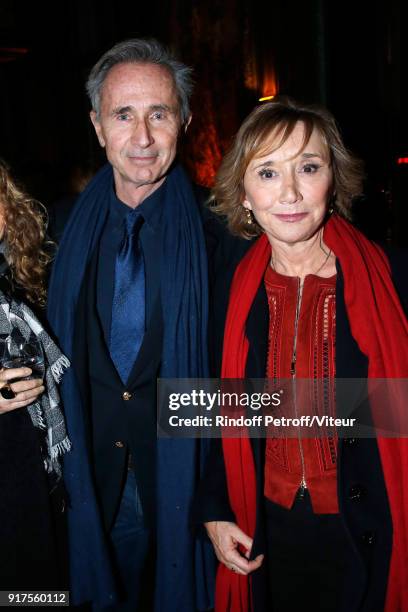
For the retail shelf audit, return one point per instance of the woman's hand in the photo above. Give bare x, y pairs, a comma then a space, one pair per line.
226, 538
26, 391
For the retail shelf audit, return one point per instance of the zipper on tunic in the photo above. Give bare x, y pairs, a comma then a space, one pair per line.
303, 483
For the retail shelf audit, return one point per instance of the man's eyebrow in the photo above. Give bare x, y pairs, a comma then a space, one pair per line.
153, 108
161, 107
121, 110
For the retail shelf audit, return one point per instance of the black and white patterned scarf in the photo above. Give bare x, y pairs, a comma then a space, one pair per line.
46, 412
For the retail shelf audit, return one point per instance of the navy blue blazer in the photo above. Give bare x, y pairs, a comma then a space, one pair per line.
116, 424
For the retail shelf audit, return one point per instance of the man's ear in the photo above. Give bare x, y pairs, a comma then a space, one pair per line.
98, 127
187, 123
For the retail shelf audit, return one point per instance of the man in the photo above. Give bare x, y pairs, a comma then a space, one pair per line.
128, 300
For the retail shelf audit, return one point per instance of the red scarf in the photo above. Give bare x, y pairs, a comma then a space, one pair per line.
380, 328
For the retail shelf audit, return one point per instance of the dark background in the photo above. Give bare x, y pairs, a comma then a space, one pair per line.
347, 55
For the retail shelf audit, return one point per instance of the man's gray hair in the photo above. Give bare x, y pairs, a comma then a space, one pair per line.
141, 51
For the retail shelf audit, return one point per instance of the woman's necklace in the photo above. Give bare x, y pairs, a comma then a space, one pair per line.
324, 263
326, 259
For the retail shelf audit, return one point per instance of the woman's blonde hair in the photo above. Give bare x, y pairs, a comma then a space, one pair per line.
25, 222
278, 119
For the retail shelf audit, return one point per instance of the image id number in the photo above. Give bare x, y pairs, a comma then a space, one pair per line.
34, 598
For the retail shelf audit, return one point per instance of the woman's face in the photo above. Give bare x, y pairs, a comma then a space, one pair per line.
288, 189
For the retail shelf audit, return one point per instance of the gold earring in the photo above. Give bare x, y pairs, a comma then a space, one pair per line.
249, 216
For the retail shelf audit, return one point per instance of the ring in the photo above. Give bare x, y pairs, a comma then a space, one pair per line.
7, 392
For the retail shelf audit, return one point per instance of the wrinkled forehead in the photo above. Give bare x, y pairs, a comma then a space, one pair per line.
272, 138
142, 78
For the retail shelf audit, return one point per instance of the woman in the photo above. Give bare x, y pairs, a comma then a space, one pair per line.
320, 521
32, 431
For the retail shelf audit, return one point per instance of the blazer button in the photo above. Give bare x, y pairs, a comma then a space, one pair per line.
126, 395
368, 538
356, 492
119, 444
349, 441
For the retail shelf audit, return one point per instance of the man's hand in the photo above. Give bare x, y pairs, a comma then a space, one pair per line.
226, 538
25, 391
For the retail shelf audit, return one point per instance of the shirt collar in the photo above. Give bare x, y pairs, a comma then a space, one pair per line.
151, 208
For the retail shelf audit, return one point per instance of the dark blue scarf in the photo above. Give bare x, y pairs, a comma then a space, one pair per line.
185, 569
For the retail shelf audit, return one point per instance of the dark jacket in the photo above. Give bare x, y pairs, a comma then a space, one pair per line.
123, 416
117, 425
361, 489
32, 526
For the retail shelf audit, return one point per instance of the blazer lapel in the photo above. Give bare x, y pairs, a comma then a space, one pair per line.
257, 332
105, 280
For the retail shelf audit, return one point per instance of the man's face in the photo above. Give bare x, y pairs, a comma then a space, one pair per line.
138, 125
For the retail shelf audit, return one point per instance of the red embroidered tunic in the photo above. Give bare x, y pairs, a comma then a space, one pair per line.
312, 461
